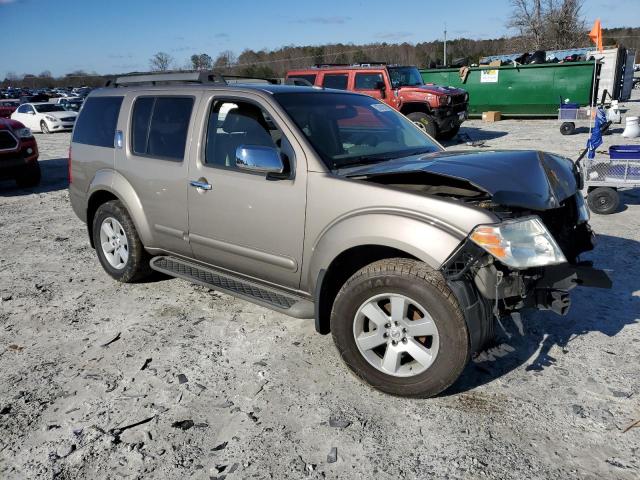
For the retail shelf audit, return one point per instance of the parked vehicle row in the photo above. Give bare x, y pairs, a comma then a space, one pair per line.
331, 205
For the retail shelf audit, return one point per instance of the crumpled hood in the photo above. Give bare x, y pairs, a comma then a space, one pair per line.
518, 178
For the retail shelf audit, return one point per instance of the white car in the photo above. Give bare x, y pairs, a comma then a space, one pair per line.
45, 117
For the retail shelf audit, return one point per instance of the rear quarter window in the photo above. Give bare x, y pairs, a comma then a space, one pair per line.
96, 124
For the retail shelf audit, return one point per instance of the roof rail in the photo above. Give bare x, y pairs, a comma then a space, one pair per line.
246, 79
347, 65
207, 77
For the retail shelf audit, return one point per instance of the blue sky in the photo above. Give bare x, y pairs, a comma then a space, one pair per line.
112, 36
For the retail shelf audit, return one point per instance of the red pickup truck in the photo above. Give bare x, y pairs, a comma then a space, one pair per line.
436, 109
18, 154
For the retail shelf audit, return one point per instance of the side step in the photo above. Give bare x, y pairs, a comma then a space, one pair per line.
268, 297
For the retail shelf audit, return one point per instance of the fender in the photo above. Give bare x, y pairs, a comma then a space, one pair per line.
113, 182
426, 238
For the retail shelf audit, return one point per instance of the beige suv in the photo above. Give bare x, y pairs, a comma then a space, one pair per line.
329, 205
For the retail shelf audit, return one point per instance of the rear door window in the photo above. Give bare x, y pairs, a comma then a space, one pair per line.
96, 124
368, 81
159, 126
336, 80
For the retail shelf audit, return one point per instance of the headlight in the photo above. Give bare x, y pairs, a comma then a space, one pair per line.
23, 133
50, 118
521, 243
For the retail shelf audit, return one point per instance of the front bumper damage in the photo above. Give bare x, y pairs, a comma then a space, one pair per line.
487, 289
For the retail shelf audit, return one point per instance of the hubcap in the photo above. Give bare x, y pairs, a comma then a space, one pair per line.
396, 335
421, 126
115, 245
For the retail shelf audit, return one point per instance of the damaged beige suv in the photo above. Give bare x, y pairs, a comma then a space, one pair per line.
329, 205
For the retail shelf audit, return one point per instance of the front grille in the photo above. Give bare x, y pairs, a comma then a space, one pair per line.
457, 99
7, 140
68, 119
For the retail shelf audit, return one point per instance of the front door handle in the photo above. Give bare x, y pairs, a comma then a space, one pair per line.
200, 185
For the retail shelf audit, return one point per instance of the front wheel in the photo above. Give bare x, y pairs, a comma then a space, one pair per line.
30, 177
44, 127
603, 200
424, 122
398, 327
118, 245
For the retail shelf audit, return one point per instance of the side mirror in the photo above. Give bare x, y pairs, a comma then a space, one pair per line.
258, 159
382, 87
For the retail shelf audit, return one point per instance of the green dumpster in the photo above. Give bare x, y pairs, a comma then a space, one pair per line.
523, 90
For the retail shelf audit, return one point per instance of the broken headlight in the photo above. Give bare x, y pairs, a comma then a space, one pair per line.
521, 243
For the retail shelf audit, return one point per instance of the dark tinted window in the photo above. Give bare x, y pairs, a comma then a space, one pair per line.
338, 81
96, 124
368, 81
160, 126
232, 124
311, 78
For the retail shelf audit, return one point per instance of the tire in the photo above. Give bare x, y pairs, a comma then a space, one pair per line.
30, 177
568, 128
411, 283
449, 134
44, 128
424, 122
136, 265
603, 200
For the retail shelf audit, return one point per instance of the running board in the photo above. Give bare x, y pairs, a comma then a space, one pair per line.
268, 297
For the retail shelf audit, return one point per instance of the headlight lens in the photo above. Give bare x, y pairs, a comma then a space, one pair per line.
23, 133
50, 118
522, 243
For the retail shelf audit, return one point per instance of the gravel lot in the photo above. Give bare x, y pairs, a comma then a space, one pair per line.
170, 380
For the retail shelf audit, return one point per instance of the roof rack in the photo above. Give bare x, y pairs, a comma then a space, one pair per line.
348, 65
244, 79
205, 77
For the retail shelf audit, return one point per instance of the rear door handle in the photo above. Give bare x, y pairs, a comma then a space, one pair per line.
200, 185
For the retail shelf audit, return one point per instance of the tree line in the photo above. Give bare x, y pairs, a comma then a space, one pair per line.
541, 24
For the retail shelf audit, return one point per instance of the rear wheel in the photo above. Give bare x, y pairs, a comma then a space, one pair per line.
399, 328
118, 245
603, 200
30, 177
44, 127
567, 128
424, 122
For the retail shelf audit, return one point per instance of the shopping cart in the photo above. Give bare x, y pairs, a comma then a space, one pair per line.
571, 114
604, 177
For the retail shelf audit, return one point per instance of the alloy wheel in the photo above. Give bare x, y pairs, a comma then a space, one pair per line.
114, 243
396, 335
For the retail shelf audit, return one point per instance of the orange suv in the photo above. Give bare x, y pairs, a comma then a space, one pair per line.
437, 110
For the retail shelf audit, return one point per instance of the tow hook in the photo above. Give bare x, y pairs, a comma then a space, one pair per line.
557, 301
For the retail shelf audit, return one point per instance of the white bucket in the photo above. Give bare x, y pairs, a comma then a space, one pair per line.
632, 128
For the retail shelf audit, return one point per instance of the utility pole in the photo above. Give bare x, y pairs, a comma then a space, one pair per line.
445, 44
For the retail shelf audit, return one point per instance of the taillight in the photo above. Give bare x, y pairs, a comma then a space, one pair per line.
69, 166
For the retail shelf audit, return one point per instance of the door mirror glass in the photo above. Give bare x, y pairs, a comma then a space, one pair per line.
259, 159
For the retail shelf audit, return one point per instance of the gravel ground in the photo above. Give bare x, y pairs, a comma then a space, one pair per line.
170, 380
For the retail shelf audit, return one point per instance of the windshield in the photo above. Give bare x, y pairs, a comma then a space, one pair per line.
349, 130
46, 108
405, 77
